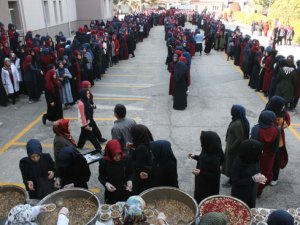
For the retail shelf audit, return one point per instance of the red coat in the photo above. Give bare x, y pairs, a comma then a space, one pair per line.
268, 137
268, 74
117, 46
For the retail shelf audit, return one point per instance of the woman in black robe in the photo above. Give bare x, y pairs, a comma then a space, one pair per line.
115, 173
72, 168
164, 164
180, 86
245, 167
142, 158
54, 105
254, 78
37, 171
209, 42
207, 172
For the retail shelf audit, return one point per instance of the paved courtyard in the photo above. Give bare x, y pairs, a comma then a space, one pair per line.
141, 83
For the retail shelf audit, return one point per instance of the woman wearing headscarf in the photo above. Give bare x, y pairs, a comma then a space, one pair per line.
268, 70
269, 134
142, 157
72, 168
10, 79
238, 130
30, 72
63, 137
180, 86
52, 94
280, 217
213, 218
37, 171
171, 69
286, 81
76, 74
164, 164
64, 75
27, 214
89, 128
207, 172
245, 174
115, 173
277, 104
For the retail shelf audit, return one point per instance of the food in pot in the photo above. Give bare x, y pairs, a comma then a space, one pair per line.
8, 200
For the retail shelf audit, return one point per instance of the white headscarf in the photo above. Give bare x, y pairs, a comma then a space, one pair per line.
22, 215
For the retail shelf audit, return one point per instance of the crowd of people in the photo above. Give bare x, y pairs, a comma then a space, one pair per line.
132, 160
29, 67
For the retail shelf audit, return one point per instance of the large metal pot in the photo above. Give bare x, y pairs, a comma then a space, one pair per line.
171, 193
14, 188
73, 193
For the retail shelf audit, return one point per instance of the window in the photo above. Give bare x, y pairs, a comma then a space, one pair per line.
14, 14
61, 11
55, 12
46, 11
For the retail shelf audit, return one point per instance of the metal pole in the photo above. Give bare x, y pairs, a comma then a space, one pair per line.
69, 23
45, 18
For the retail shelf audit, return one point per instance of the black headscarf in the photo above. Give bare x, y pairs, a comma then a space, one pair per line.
276, 104
280, 217
266, 119
141, 135
250, 151
67, 156
180, 69
211, 143
239, 112
162, 151
88, 108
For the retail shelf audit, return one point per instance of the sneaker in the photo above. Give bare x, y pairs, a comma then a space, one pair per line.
1, 124
273, 182
226, 184
30, 101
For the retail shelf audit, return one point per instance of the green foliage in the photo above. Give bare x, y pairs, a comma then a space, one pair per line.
247, 18
264, 3
286, 11
296, 25
235, 7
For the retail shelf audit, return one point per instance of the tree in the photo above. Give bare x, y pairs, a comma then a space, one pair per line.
235, 7
264, 3
286, 11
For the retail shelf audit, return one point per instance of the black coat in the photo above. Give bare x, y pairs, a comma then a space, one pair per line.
54, 112
180, 86
207, 183
142, 160
38, 174
78, 173
116, 174
243, 186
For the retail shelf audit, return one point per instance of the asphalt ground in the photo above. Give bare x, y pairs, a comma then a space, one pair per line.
142, 83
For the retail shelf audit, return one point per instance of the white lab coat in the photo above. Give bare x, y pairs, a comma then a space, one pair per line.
8, 86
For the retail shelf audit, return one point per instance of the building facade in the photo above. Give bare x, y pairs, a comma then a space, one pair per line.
52, 16
209, 5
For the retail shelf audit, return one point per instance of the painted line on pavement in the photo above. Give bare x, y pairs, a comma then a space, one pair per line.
120, 86
21, 185
120, 99
96, 119
296, 124
128, 75
262, 97
20, 134
23, 144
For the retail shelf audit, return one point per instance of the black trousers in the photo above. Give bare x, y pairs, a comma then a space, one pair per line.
30, 89
90, 136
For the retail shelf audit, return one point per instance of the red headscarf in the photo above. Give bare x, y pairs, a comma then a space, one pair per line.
61, 128
60, 53
51, 82
85, 84
178, 52
183, 59
36, 50
112, 148
27, 62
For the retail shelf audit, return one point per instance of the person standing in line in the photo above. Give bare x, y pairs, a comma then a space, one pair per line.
37, 171
72, 169
207, 172
245, 175
269, 134
238, 130
121, 130
297, 87
10, 79
52, 94
64, 75
180, 86
89, 128
115, 173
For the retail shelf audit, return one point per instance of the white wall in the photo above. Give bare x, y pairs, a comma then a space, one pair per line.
33, 14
